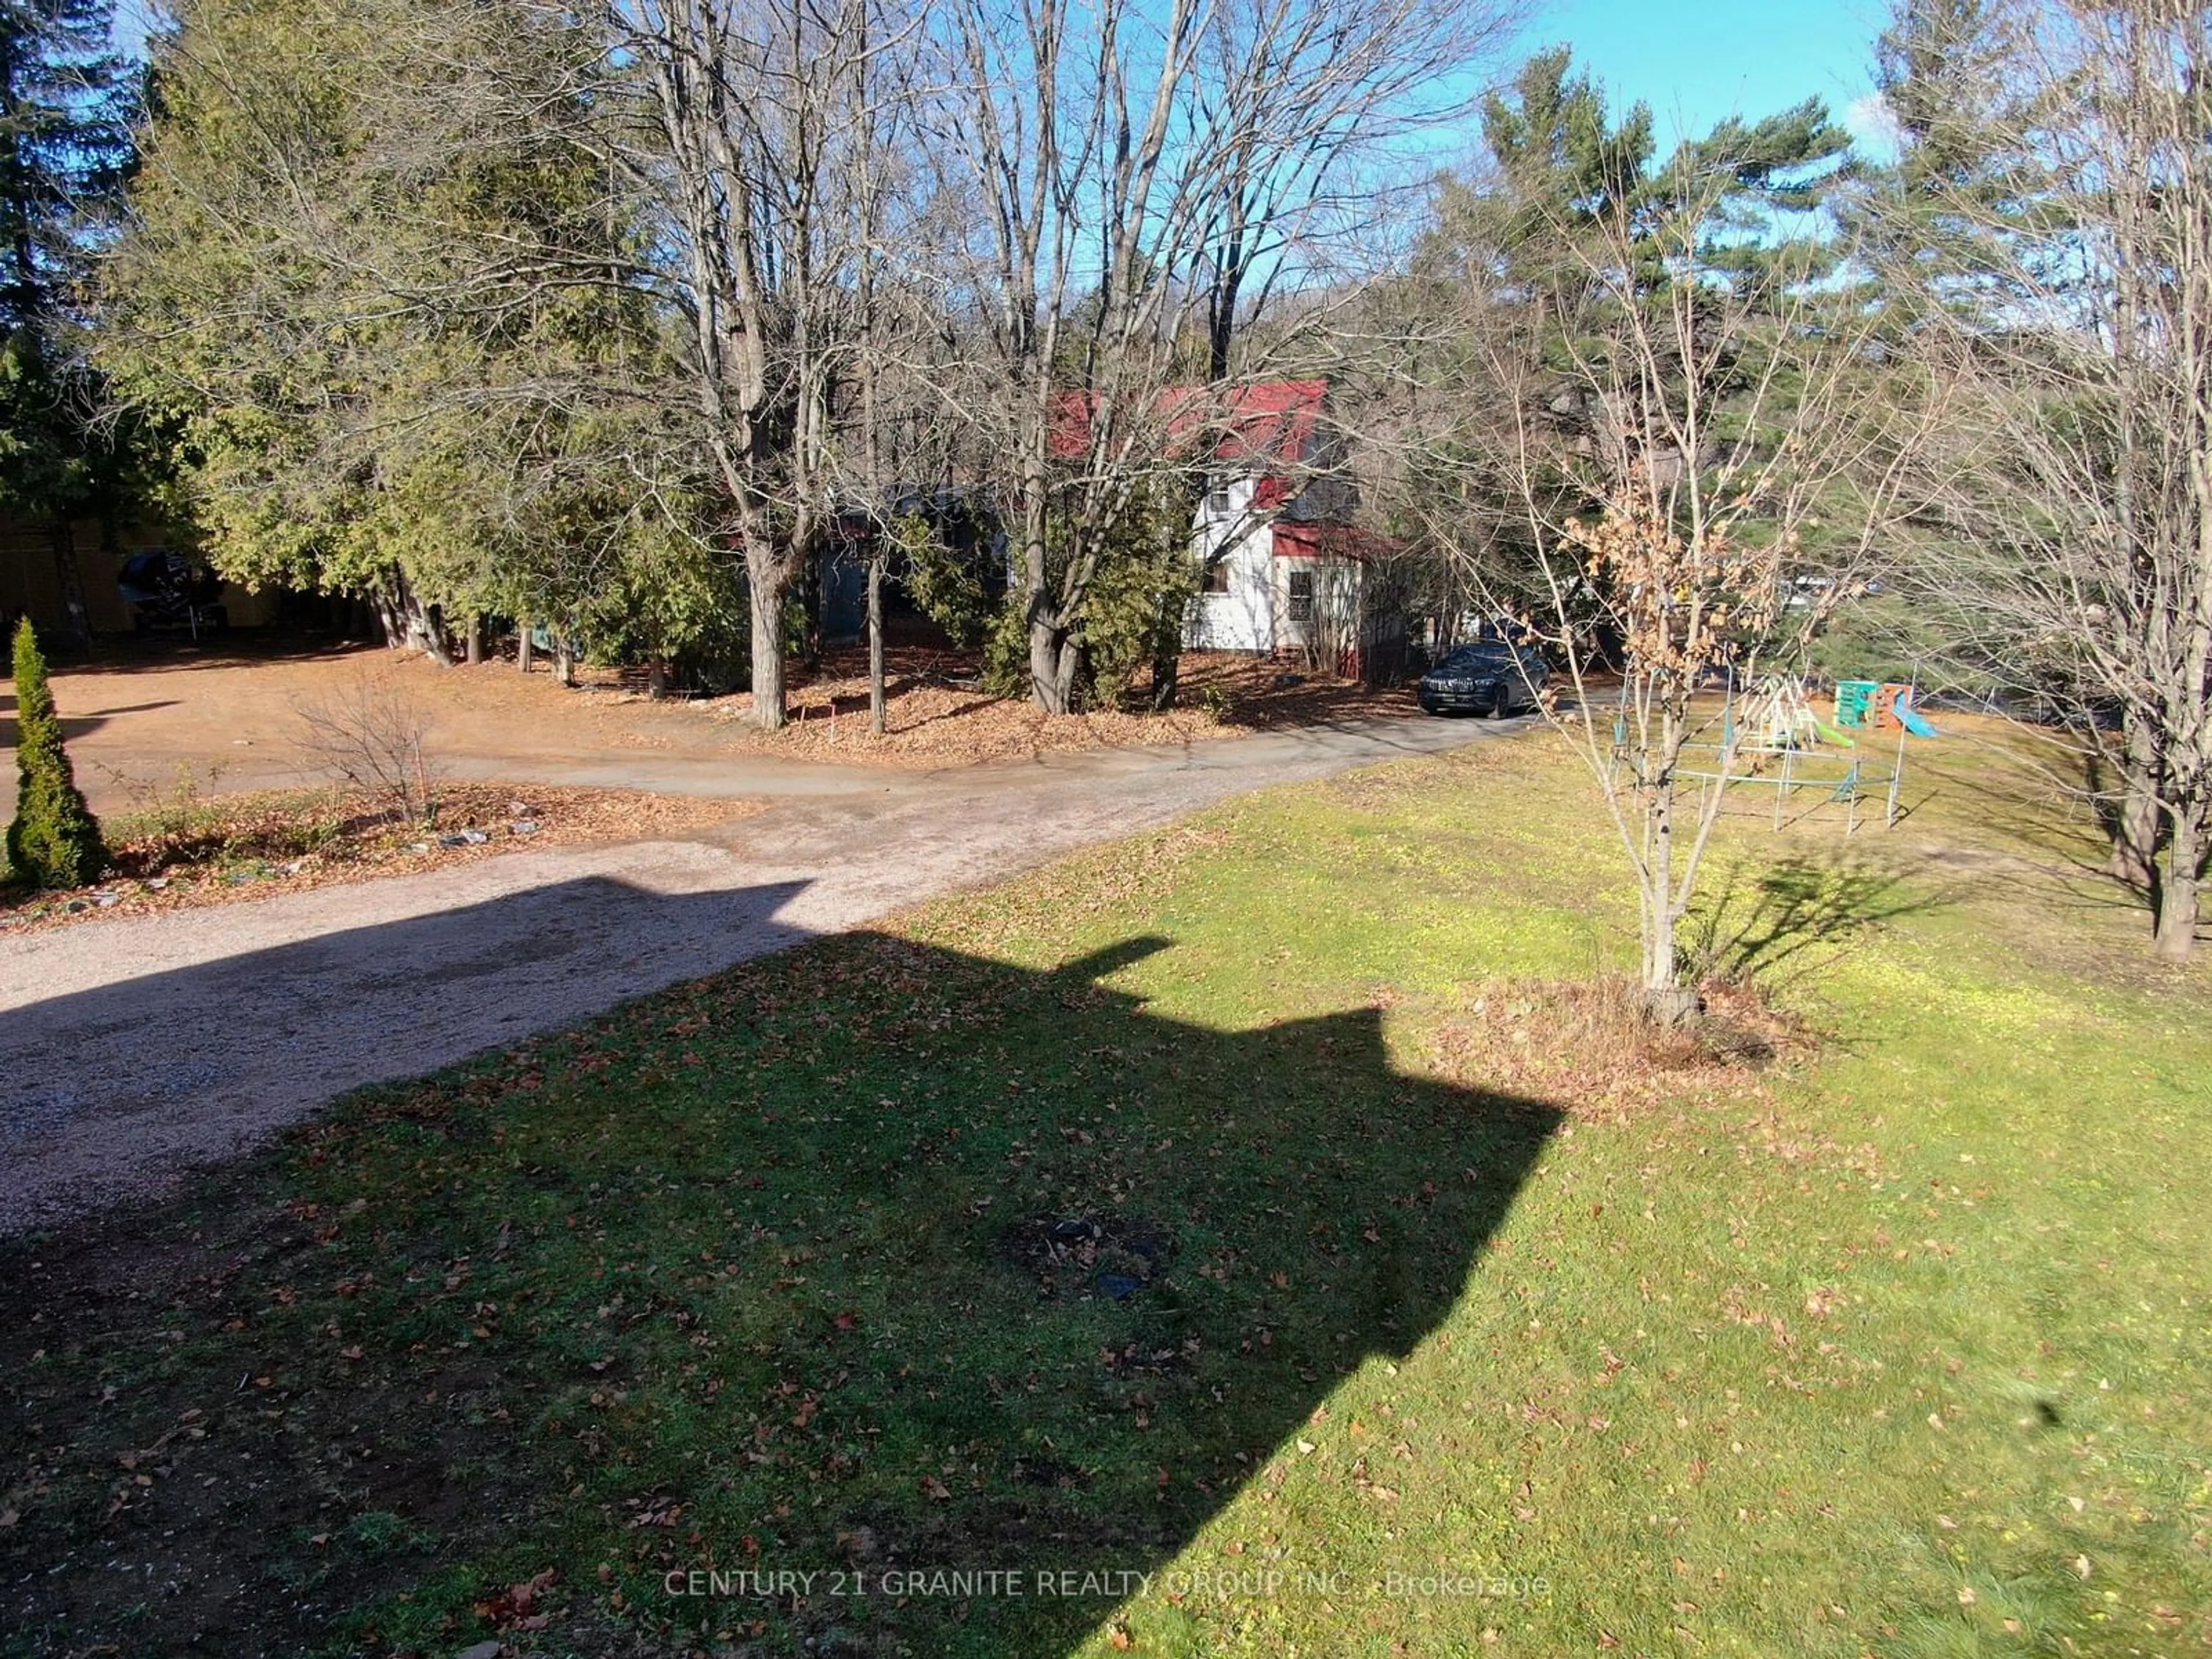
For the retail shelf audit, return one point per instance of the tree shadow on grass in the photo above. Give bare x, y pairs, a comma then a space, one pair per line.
872, 1261
2062, 861
1774, 922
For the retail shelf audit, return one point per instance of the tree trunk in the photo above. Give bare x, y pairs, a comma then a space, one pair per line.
1047, 685
1667, 1000
2136, 824
408, 621
1167, 654
111, 547
767, 596
1055, 669
2177, 891
814, 590
1047, 690
430, 630
71, 576
2135, 838
877, 721
386, 599
1167, 682
522, 643
473, 640
564, 661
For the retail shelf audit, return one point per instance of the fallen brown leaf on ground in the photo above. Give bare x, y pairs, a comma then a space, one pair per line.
237, 847
937, 714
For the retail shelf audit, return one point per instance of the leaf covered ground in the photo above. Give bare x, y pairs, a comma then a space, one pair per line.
936, 715
180, 850
1244, 1240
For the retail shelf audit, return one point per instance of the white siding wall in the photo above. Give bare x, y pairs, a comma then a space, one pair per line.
1243, 617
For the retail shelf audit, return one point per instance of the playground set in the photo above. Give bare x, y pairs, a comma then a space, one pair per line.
1772, 736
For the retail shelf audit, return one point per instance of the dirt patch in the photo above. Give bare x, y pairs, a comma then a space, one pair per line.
238, 848
1110, 1255
233, 714
936, 715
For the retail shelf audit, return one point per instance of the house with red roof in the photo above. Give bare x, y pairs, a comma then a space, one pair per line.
1284, 570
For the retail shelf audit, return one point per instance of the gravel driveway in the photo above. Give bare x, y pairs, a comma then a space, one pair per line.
134, 1049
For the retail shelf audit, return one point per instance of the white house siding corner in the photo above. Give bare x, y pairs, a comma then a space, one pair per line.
1237, 610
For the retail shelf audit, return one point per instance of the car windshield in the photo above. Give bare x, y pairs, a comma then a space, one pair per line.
1496, 657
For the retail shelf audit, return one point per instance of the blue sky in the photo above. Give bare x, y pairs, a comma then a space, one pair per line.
1693, 61
1696, 60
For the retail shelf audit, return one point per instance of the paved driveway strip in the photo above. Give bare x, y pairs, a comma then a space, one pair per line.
133, 1049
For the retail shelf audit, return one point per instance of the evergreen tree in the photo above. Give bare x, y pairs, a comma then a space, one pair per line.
54, 841
1564, 168
66, 102
1583, 239
1965, 196
371, 390
65, 145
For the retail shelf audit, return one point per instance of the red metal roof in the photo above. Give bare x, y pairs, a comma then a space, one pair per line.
1331, 541
1250, 426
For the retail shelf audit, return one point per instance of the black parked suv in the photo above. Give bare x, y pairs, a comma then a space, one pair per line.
171, 590
1490, 677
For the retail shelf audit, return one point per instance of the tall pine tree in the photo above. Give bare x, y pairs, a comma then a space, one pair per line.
65, 101
1944, 224
65, 145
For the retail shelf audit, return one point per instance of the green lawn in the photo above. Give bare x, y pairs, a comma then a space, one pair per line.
1245, 1217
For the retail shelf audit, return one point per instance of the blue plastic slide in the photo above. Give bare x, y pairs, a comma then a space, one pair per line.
1912, 721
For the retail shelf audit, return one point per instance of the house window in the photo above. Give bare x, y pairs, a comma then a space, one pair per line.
1217, 577
1217, 498
1302, 596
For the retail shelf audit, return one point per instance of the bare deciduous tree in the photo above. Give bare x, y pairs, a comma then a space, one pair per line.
1131, 191
1681, 436
747, 115
369, 733
2075, 358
